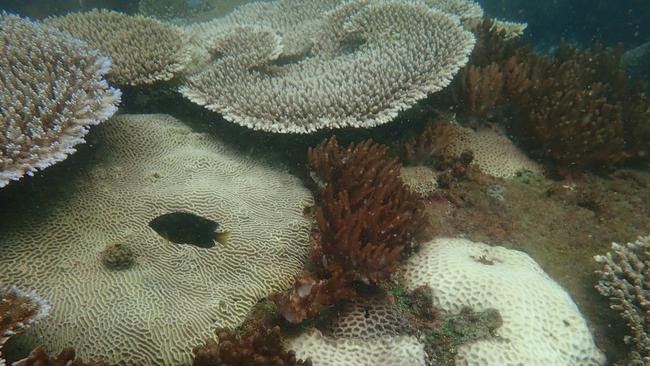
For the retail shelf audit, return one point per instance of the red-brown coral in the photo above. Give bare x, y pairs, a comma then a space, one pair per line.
428, 146
366, 218
18, 310
258, 345
38, 357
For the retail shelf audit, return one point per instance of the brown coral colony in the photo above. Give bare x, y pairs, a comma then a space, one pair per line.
366, 218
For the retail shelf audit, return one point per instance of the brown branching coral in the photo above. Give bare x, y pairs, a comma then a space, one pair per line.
257, 345
430, 145
366, 218
67, 357
18, 310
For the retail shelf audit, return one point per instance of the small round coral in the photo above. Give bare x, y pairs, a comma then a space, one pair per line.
117, 256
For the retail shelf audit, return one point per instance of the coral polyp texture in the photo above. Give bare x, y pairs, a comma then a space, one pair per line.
143, 50
356, 65
18, 311
494, 153
171, 297
256, 344
541, 323
365, 334
51, 91
625, 280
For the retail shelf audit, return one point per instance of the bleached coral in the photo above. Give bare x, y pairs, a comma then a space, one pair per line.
172, 296
494, 153
369, 61
51, 92
143, 50
625, 279
542, 326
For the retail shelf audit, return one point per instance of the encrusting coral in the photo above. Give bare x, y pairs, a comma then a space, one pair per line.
18, 311
255, 345
357, 65
366, 218
51, 91
625, 280
170, 297
143, 50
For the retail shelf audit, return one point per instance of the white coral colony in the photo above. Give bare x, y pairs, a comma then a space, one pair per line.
51, 91
361, 64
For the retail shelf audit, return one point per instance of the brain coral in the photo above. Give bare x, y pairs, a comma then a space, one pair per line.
494, 153
362, 64
51, 91
143, 50
542, 326
173, 296
365, 334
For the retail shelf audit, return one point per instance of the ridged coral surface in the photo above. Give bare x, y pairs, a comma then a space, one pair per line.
173, 296
143, 50
542, 326
356, 65
51, 92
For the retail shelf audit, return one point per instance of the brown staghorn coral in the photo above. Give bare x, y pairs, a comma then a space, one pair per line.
366, 218
257, 345
429, 145
18, 310
625, 280
356, 65
51, 92
143, 50
67, 357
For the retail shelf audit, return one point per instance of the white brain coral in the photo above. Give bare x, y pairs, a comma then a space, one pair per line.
154, 310
542, 326
494, 153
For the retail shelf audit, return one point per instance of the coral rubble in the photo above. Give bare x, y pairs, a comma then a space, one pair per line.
51, 91
625, 280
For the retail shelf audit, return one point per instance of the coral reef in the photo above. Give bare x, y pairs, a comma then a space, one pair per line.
173, 296
181, 11
39, 125
625, 280
67, 357
357, 65
428, 147
257, 345
541, 323
143, 50
366, 218
18, 311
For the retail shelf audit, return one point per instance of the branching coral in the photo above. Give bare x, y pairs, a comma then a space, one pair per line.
51, 92
67, 357
18, 310
362, 64
366, 218
143, 50
258, 345
625, 279
429, 145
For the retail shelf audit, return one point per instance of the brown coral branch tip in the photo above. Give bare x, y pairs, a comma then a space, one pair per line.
18, 310
366, 219
67, 357
256, 345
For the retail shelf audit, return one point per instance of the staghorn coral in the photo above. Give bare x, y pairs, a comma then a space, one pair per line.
429, 146
366, 218
172, 296
360, 66
143, 50
257, 345
625, 280
18, 311
51, 92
